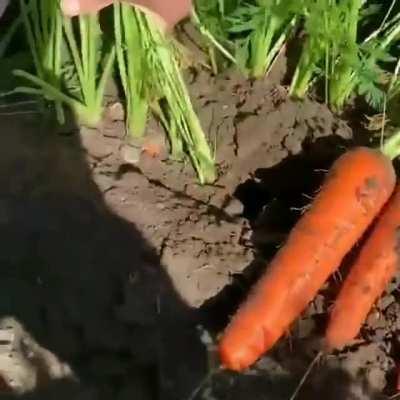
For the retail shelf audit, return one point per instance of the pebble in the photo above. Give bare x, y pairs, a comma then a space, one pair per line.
234, 208
131, 154
116, 112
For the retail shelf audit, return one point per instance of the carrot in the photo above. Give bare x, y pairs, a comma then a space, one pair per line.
374, 268
357, 187
152, 149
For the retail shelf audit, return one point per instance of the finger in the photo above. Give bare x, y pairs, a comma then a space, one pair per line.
76, 7
171, 11
3, 6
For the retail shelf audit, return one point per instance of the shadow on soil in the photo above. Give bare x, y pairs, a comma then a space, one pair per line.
325, 383
83, 281
89, 288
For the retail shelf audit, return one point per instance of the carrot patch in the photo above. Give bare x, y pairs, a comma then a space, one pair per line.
356, 188
376, 265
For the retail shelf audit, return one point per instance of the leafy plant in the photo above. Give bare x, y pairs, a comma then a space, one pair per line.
130, 34
150, 74
43, 27
72, 62
254, 31
334, 50
365, 74
260, 29
210, 16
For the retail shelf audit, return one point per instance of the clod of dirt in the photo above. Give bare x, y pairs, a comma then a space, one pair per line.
131, 154
24, 364
372, 358
115, 112
96, 145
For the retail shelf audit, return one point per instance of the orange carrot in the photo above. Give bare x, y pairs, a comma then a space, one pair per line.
357, 187
375, 267
152, 149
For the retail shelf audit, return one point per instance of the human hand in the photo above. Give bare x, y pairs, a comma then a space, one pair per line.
3, 6
169, 12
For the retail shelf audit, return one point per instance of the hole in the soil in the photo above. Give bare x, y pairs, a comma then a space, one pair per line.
289, 185
273, 201
253, 198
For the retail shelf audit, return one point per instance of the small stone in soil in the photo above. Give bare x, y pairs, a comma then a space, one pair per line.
131, 154
373, 318
234, 208
115, 112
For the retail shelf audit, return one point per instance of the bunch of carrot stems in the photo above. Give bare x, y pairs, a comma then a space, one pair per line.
72, 62
248, 33
74, 59
151, 78
336, 51
341, 49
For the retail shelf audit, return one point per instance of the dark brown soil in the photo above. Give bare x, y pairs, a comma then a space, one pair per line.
127, 270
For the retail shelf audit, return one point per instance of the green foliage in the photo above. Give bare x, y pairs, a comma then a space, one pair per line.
131, 38
150, 74
253, 31
43, 27
72, 62
73, 59
260, 30
335, 52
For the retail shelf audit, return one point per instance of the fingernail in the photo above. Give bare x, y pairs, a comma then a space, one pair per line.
71, 7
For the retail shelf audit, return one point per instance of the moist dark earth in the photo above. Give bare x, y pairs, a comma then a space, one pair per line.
128, 271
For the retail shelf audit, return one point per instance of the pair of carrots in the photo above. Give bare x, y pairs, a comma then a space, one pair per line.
359, 188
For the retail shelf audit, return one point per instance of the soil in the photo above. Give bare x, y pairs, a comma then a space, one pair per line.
125, 269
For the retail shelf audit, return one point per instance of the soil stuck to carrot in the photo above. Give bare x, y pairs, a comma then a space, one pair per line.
126, 270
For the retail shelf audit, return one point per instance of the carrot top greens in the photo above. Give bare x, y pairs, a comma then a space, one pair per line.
335, 50
249, 33
72, 61
350, 46
150, 74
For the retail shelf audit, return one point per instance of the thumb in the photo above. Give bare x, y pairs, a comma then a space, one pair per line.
169, 12
76, 7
